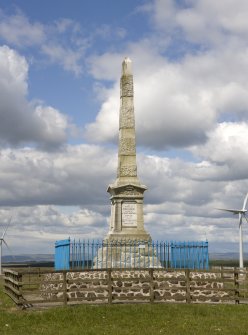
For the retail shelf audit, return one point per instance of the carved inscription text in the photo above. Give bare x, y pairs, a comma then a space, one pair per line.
129, 214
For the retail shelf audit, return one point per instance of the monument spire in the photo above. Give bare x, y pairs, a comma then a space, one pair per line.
127, 166
127, 193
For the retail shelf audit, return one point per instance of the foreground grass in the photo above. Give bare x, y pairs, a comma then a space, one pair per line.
124, 319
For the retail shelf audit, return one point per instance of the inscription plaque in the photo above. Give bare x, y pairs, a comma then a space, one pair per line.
129, 214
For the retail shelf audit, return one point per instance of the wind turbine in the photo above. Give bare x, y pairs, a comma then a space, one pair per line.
242, 214
1, 244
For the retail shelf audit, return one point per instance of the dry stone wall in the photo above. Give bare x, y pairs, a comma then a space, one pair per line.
148, 285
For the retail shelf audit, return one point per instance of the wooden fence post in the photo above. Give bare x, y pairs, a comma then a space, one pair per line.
20, 288
236, 284
65, 288
151, 286
109, 287
221, 272
187, 278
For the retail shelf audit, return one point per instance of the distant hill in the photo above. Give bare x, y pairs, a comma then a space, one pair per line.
38, 258
28, 258
226, 256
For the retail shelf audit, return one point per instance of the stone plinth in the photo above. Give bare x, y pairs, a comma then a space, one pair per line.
126, 254
127, 219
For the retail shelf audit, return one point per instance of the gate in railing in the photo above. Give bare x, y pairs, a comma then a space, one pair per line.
62, 254
130, 254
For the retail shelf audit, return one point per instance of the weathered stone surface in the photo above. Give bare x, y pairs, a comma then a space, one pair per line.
127, 187
127, 170
167, 286
126, 119
126, 86
127, 146
126, 255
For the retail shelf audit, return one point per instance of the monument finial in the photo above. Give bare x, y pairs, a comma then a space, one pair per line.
127, 66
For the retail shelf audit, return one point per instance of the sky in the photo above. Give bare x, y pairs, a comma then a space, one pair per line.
60, 66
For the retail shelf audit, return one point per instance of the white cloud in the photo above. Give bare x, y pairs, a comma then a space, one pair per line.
62, 42
76, 175
54, 124
202, 21
68, 58
165, 95
105, 128
162, 11
179, 204
14, 70
38, 227
196, 101
183, 102
177, 100
226, 152
21, 122
106, 67
227, 142
18, 30
64, 24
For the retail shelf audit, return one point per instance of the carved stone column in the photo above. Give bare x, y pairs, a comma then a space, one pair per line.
127, 193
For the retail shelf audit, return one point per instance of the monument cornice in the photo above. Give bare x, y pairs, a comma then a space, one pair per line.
127, 187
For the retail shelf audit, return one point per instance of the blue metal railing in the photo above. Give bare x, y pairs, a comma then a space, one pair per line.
189, 255
62, 254
130, 254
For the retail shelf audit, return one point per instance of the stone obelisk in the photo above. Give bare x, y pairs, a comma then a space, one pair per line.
127, 193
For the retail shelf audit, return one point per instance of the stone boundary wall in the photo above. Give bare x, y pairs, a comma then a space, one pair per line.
110, 286
148, 285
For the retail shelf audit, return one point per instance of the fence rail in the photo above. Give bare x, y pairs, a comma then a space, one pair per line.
225, 285
130, 254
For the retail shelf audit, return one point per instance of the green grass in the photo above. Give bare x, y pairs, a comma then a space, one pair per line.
173, 319
226, 262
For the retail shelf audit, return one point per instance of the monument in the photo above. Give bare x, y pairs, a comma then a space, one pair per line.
127, 243
127, 193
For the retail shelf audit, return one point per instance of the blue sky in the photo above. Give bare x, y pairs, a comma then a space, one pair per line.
60, 65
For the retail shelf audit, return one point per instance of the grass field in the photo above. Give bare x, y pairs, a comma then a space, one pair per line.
226, 262
124, 319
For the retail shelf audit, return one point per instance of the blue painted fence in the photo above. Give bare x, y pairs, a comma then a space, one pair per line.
189, 255
153, 254
62, 254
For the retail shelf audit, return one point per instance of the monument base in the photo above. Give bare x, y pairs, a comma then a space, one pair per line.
125, 237
126, 254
